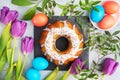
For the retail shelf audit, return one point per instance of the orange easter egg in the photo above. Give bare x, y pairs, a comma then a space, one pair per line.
107, 22
111, 7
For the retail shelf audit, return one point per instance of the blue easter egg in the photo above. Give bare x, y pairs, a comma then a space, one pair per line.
33, 74
40, 63
97, 16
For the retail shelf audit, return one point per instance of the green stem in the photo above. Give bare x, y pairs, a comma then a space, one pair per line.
14, 46
25, 58
102, 78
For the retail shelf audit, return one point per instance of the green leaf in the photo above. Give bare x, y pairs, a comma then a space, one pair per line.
39, 8
81, 79
19, 65
116, 32
73, 6
4, 38
54, 3
9, 43
114, 41
9, 73
64, 13
115, 57
49, 14
94, 62
108, 33
95, 9
83, 74
86, 2
118, 47
78, 66
81, 3
92, 75
75, 76
80, 23
53, 13
64, 77
91, 48
53, 74
44, 3
61, 6
95, 2
77, 70
49, 5
86, 70
88, 9
22, 2
3, 61
22, 78
9, 55
30, 13
117, 37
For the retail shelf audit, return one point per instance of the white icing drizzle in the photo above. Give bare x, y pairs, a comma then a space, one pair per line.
65, 31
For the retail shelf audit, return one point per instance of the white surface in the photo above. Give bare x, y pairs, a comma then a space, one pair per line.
29, 32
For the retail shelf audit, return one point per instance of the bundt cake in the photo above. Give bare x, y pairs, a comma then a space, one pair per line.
61, 42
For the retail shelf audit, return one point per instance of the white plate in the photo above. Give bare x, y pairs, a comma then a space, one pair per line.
116, 17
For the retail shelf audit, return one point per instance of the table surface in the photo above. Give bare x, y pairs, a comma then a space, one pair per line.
29, 32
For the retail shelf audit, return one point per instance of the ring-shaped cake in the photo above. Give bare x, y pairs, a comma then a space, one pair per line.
63, 30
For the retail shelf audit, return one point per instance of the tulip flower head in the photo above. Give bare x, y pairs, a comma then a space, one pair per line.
109, 66
27, 45
78, 63
7, 15
18, 28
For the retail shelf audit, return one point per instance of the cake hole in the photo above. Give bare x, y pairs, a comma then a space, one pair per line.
62, 43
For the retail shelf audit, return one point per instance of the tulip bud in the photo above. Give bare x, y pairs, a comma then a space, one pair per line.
27, 45
18, 28
77, 65
109, 66
8, 15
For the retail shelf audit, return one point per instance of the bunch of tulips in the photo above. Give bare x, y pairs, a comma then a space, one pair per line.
14, 30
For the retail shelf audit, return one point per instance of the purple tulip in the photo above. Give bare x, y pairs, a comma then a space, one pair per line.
109, 66
77, 64
27, 45
7, 15
18, 28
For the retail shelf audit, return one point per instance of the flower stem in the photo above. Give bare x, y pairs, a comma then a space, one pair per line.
103, 76
13, 50
25, 58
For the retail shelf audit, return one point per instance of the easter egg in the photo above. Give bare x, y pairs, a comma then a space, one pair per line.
107, 22
40, 63
111, 7
40, 19
33, 74
96, 16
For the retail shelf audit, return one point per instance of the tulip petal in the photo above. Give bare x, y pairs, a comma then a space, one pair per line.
114, 68
11, 16
30, 46
15, 29
18, 28
3, 12
108, 66
23, 28
26, 43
